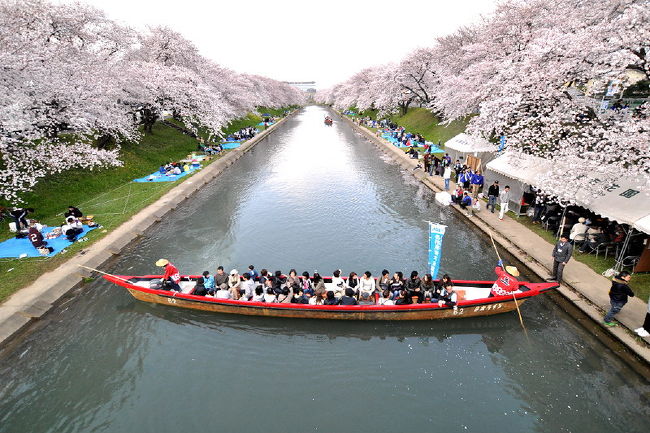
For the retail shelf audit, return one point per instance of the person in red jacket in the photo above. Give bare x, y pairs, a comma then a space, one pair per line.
172, 276
506, 281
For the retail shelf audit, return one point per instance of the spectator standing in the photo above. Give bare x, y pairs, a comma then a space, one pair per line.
477, 181
504, 199
618, 295
562, 253
493, 194
446, 176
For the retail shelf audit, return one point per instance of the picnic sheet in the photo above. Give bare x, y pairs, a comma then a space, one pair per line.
157, 177
13, 248
262, 123
231, 145
388, 136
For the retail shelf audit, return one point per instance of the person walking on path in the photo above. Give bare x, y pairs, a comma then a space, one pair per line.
504, 199
446, 176
561, 255
618, 295
644, 331
493, 194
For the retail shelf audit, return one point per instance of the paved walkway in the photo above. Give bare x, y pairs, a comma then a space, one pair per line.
586, 288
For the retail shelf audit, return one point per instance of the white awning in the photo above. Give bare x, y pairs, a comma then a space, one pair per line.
623, 201
470, 144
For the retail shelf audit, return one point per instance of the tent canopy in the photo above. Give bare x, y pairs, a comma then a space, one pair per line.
622, 202
470, 144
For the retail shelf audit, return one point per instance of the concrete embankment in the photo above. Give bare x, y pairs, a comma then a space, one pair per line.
32, 302
583, 287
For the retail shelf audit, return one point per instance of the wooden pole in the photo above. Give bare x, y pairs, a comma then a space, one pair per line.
521, 319
105, 273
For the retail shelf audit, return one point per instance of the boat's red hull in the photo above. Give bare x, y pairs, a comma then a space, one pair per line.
465, 308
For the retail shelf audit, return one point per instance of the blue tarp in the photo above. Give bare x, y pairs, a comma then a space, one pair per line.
231, 145
157, 177
13, 248
262, 124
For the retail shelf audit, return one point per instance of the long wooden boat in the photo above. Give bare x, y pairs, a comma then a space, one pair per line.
473, 302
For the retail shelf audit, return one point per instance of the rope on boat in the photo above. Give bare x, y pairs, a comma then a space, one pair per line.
105, 273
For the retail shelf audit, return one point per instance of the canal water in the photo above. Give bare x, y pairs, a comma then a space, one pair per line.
310, 197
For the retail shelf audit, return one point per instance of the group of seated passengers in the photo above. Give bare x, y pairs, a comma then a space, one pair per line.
173, 168
364, 290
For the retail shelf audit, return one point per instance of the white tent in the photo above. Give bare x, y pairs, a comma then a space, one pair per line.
622, 202
469, 144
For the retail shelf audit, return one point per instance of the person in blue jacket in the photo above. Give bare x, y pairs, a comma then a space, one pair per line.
477, 183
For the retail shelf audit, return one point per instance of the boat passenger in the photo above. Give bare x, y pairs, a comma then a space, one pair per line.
444, 280
172, 278
428, 286
199, 289
234, 283
221, 279
292, 280
299, 297
386, 298
396, 284
318, 298
305, 284
448, 297
384, 280
319, 283
338, 283
506, 282
253, 272
366, 284
366, 298
279, 282
331, 299
413, 282
403, 298
264, 275
286, 296
208, 281
223, 293
348, 298
259, 294
269, 296
353, 282
247, 288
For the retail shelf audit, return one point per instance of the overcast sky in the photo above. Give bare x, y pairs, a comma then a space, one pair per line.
294, 40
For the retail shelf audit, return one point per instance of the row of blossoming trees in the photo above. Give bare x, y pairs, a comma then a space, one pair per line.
519, 72
67, 70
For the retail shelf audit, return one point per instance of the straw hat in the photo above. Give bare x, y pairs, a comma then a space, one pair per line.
162, 262
512, 271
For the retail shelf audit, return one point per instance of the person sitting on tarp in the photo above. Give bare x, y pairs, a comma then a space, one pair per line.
506, 282
36, 238
72, 228
19, 215
73, 212
172, 278
162, 170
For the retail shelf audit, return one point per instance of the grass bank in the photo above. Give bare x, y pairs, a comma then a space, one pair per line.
108, 194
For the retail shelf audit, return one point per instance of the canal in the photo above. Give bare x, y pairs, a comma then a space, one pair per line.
310, 197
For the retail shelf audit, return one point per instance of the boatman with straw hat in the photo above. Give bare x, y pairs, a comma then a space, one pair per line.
172, 276
506, 282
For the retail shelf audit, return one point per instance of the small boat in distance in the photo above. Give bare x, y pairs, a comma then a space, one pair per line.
473, 301
328, 121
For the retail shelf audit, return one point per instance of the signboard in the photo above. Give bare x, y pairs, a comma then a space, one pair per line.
502, 143
436, 233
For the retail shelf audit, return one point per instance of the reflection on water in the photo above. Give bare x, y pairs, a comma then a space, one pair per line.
310, 197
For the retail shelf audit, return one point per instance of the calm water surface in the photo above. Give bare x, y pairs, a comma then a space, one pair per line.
313, 198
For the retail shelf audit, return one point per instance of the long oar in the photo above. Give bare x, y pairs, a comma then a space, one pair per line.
105, 273
521, 319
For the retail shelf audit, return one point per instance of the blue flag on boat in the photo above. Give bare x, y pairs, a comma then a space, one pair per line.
436, 233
